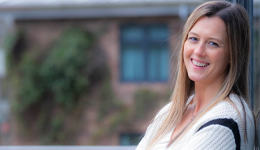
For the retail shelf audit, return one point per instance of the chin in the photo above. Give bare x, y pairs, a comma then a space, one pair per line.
194, 78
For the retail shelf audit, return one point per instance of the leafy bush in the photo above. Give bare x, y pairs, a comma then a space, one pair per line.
62, 75
67, 66
50, 83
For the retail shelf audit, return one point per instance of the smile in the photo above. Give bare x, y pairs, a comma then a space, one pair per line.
199, 64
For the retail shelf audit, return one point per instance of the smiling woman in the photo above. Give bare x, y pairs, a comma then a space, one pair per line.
208, 108
206, 55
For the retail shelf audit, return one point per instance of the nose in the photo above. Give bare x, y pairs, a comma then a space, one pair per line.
200, 49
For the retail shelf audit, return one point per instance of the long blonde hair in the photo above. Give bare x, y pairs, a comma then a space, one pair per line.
236, 79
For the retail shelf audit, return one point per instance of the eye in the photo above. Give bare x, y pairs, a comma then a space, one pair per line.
193, 39
213, 44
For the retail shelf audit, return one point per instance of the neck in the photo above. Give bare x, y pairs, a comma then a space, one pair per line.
204, 93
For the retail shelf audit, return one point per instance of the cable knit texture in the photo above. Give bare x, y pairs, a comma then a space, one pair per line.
212, 137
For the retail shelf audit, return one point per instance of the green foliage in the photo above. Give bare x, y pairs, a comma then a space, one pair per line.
11, 43
55, 132
52, 81
62, 74
64, 67
31, 88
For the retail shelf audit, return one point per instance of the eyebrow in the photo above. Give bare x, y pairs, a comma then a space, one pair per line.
212, 38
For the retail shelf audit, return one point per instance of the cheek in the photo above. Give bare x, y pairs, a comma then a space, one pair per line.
226, 55
186, 52
185, 57
222, 57
221, 60
184, 49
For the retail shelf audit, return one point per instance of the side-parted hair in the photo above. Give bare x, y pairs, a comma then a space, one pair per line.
236, 79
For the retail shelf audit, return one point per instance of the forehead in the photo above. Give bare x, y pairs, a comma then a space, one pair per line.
210, 26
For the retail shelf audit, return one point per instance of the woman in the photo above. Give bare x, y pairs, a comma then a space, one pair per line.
208, 108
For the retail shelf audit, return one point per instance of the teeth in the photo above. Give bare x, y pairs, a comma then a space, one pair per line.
199, 64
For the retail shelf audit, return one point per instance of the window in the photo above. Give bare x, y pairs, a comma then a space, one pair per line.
130, 138
144, 53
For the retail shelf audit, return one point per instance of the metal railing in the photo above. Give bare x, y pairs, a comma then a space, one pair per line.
67, 147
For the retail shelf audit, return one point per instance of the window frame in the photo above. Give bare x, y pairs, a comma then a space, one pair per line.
145, 43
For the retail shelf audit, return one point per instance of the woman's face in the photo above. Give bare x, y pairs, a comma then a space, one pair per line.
206, 53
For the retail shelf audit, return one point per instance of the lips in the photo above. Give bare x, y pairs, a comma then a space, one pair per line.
199, 64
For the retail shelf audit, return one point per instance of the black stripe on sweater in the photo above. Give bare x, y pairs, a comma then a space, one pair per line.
230, 123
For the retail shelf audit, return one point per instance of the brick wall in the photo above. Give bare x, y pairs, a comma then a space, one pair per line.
41, 33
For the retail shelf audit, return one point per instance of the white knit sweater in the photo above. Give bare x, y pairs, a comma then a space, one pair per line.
220, 128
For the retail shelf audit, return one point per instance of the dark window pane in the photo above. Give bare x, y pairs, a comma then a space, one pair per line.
158, 63
130, 139
164, 63
158, 33
132, 34
144, 53
132, 60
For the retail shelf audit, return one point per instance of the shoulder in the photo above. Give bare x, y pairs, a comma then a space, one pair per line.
226, 127
234, 117
165, 110
213, 135
242, 106
235, 108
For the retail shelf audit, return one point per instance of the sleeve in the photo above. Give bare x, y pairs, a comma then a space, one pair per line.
219, 134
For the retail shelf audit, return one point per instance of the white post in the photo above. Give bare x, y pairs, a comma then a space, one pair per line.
6, 24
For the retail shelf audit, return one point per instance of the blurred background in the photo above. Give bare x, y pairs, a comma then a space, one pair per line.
90, 72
